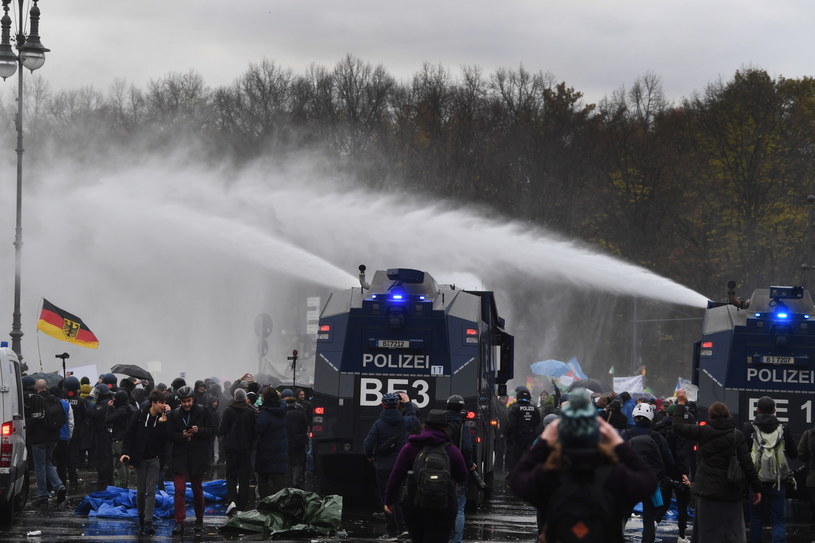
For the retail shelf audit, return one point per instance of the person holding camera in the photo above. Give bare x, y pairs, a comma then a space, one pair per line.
581, 475
144, 443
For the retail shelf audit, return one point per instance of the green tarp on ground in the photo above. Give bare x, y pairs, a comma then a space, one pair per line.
292, 513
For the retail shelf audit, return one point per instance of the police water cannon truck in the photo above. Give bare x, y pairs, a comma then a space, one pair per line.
762, 346
403, 332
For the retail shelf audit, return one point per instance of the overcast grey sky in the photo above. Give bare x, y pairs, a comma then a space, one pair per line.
594, 46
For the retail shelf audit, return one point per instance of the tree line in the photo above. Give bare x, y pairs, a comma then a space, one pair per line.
705, 190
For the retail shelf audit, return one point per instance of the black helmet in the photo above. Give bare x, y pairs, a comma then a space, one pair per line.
184, 392
523, 395
455, 403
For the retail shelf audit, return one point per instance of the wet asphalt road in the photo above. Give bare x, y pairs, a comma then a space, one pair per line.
502, 519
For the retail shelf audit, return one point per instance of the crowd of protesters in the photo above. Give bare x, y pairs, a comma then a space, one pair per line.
134, 435
646, 450
662, 450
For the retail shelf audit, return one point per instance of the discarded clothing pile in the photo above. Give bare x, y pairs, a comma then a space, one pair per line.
291, 512
115, 502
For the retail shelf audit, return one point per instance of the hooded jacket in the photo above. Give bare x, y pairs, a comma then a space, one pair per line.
404, 462
717, 441
238, 427
391, 422
145, 436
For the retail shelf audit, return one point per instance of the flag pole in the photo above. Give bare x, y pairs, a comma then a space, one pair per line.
39, 353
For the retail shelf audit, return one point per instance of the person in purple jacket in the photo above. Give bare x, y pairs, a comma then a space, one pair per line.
426, 525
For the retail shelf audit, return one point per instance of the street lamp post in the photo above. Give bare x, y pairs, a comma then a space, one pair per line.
31, 55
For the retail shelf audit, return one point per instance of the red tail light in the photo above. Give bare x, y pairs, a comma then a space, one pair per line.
478, 439
470, 415
707, 345
325, 328
471, 332
5, 445
319, 410
703, 423
493, 422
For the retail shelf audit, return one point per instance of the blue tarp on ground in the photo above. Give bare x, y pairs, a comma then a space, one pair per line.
115, 502
671, 513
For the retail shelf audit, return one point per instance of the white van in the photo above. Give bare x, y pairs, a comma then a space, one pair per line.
13, 472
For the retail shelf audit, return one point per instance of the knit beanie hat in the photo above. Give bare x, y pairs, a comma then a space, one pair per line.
578, 422
84, 391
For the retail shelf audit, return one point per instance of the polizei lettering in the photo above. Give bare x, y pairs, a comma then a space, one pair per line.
781, 375
401, 361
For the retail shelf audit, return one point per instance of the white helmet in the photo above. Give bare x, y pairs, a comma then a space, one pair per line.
643, 410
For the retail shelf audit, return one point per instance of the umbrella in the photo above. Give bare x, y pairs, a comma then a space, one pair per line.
591, 384
131, 370
552, 368
51, 379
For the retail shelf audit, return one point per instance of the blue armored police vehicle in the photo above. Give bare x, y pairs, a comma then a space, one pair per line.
403, 332
761, 346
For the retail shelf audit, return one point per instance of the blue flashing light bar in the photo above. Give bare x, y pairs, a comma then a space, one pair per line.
373, 296
397, 297
3, 343
782, 315
758, 314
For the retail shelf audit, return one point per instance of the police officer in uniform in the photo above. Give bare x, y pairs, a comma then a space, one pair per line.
522, 426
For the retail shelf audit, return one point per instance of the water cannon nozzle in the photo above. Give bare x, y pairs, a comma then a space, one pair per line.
362, 282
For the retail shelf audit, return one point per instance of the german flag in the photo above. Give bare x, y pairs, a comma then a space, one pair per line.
63, 326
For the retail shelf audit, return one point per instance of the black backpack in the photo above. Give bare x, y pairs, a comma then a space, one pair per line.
647, 447
54, 413
34, 407
581, 510
433, 480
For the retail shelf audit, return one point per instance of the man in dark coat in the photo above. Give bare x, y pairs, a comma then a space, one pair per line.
766, 426
101, 416
81, 429
190, 429
522, 425
390, 428
123, 413
144, 443
272, 444
297, 430
238, 432
43, 441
